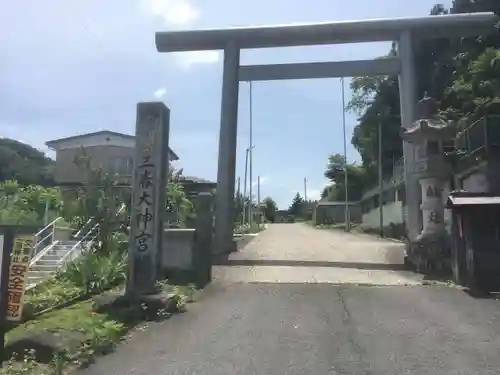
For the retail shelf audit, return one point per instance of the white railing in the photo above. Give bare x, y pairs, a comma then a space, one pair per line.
91, 220
76, 249
79, 233
86, 240
44, 238
40, 254
44, 241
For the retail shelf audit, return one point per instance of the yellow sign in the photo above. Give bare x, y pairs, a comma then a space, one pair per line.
18, 275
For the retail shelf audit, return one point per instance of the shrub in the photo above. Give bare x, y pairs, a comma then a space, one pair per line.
95, 272
48, 294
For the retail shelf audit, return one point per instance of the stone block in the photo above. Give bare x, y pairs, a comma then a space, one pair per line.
45, 344
177, 249
127, 308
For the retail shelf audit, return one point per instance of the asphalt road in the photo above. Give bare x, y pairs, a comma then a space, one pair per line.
299, 329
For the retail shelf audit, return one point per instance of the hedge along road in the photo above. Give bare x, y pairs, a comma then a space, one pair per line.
245, 324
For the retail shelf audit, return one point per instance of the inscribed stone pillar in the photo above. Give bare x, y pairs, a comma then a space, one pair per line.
432, 205
148, 196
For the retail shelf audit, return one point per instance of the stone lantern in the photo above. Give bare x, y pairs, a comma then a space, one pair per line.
429, 134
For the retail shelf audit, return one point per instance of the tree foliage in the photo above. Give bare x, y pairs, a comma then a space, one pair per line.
176, 197
269, 208
294, 208
26, 205
335, 172
25, 164
462, 74
98, 203
241, 203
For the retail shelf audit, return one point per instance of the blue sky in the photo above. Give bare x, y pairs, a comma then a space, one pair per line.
71, 67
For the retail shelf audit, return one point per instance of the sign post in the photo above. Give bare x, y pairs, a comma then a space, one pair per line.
6, 237
16, 248
148, 197
20, 258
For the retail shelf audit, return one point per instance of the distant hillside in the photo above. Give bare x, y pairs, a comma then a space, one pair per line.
27, 165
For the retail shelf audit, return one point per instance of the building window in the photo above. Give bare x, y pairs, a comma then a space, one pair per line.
121, 165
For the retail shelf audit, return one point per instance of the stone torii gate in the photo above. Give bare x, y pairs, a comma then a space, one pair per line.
405, 31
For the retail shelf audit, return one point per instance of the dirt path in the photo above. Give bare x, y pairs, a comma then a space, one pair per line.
299, 253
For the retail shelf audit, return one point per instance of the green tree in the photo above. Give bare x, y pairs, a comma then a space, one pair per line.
25, 164
294, 208
269, 208
476, 91
99, 202
335, 172
27, 205
177, 199
462, 74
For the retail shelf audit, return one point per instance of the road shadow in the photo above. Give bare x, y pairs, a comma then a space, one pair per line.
479, 293
226, 261
240, 243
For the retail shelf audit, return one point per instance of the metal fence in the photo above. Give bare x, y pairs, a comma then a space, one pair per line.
483, 134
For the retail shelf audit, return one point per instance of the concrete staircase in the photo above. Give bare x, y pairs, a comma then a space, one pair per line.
49, 263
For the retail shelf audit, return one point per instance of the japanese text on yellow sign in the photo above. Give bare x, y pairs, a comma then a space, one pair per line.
18, 274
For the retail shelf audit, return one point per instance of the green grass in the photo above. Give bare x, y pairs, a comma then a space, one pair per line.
98, 331
97, 334
78, 317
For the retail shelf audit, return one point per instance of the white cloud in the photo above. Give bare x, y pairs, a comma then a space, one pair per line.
179, 14
314, 194
160, 93
175, 13
188, 59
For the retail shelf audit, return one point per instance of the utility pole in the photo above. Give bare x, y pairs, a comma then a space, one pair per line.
259, 210
305, 189
380, 179
258, 191
347, 216
238, 195
250, 211
243, 219
245, 210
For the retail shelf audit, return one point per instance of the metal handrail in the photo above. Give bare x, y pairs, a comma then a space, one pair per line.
45, 250
41, 243
79, 243
81, 229
38, 251
91, 230
477, 135
48, 225
119, 211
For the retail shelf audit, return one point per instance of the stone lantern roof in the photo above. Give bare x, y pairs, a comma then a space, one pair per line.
428, 127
